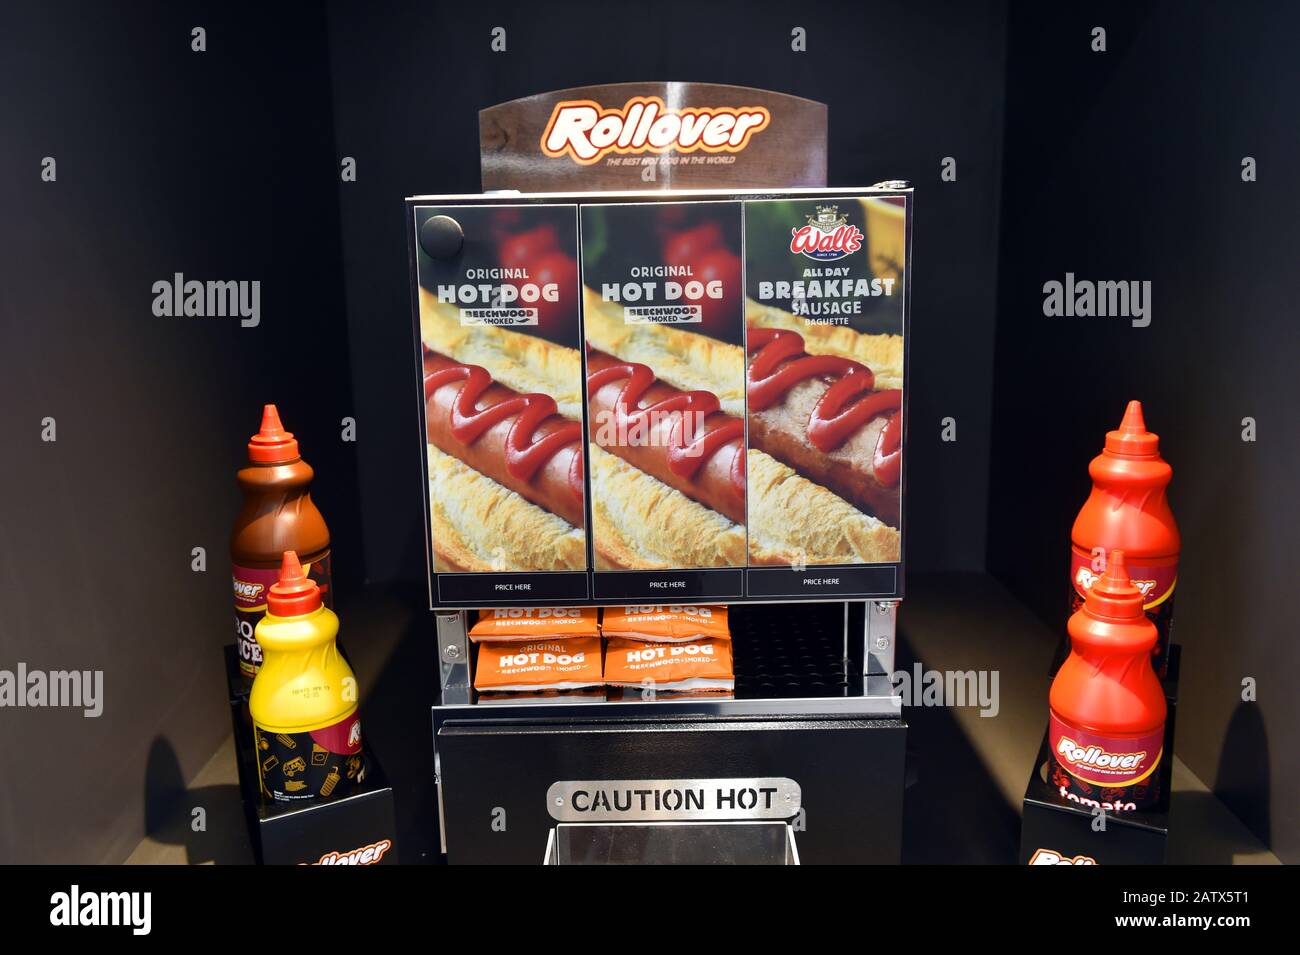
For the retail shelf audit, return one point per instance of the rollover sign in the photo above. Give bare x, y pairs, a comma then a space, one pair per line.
627, 136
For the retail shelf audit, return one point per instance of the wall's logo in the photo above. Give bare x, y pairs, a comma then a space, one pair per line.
366, 855
827, 236
585, 131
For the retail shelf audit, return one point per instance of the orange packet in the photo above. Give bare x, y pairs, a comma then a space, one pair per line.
567, 664
666, 623
534, 623
696, 665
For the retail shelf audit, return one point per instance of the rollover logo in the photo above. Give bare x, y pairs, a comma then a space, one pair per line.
366, 855
1094, 757
585, 131
1052, 857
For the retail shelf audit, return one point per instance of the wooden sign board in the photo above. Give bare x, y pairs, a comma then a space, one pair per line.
633, 136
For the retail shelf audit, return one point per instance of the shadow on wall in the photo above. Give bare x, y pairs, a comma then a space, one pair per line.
211, 827
1243, 778
953, 810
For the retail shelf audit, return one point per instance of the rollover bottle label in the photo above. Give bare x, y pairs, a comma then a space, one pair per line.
250, 585
1118, 773
318, 764
1156, 580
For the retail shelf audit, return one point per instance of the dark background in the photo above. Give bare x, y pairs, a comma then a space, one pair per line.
225, 165
217, 165
1127, 165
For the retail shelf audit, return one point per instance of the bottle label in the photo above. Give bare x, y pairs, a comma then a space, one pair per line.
1105, 760
1156, 580
250, 586
318, 764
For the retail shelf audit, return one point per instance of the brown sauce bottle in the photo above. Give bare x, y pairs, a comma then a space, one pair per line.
278, 515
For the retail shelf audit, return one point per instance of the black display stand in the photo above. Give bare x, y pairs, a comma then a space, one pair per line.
812, 705
497, 775
359, 829
1056, 832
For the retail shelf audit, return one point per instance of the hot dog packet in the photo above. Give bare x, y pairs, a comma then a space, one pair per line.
671, 623
696, 665
534, 623
569, 664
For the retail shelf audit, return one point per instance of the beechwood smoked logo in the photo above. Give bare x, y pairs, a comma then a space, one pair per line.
585, 131
827, 236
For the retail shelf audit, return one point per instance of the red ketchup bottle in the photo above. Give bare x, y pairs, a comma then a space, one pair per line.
1107, 724
1128, 510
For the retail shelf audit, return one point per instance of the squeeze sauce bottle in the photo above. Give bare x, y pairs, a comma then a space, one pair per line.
278, 515
1107, 724
306, 728
1128, 510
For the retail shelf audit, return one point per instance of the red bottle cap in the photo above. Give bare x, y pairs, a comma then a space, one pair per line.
294, 594
272, 444
1133, 438
1112, 595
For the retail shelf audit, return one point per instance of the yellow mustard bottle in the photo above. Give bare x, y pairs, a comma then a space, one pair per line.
306, 727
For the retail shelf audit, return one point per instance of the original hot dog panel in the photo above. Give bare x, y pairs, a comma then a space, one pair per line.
663, 317
501, 374
710, 407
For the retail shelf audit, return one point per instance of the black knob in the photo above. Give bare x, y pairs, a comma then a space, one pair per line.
441, 237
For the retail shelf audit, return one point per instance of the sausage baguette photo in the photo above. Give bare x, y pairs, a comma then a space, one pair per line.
668, 445
505, 463
824, 395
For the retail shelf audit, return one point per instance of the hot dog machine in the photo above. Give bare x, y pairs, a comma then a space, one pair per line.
668, 397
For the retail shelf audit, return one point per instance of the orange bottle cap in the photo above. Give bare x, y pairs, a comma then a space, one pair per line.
1133, 438
294, 594
272, 444
1112, 595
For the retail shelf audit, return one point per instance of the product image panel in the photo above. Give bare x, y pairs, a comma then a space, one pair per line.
824, 374
502, 385
663, 316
